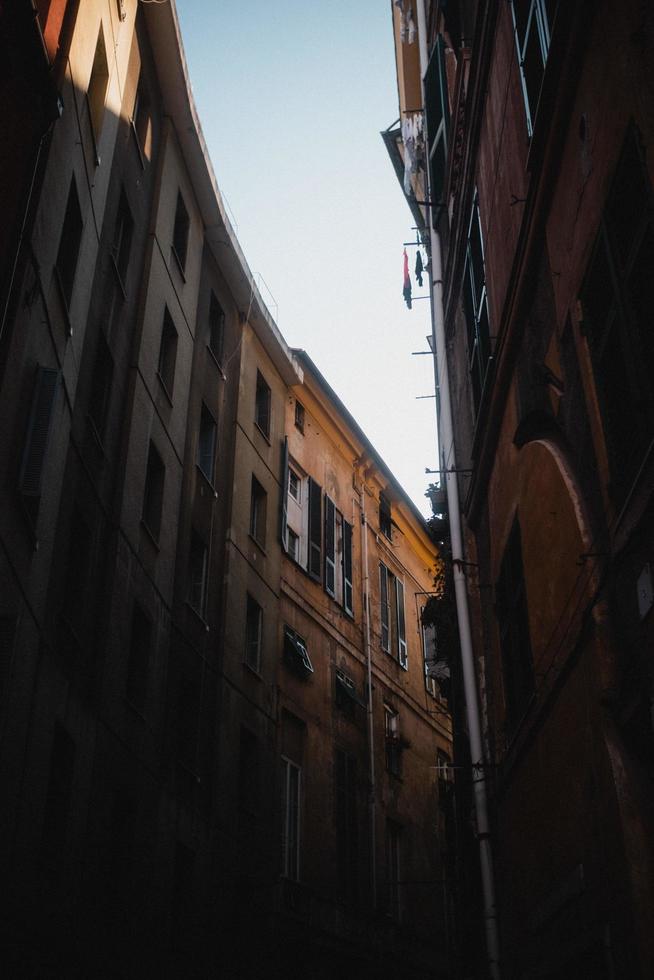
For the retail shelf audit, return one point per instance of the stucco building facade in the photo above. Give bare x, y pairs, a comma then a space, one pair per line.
169, 768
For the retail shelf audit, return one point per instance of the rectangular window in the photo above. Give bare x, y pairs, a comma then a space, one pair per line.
385, 521
206, 458
330, 547
430, 656
102, 377
345, 791
437, 120
533, 21
314, 566
291, 788
142, 121
37, 437
258, 509
296, 655
616, 303
155, 476
293, 545
262, 405
345, 694
69, 245
513, 619
392, 741
198, 578
181, 232
168, 354
122, 243
139, 658
392, 618
216, 328
475, 305
96, 92
253, 634
299, 416
294, 485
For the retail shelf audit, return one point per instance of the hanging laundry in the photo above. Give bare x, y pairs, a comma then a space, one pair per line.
419, 268
406, 292
412, 30
412, 138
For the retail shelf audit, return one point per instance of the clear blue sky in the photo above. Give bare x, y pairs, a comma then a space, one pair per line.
292, 97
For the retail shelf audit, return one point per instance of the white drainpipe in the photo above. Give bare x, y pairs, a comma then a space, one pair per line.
448, 456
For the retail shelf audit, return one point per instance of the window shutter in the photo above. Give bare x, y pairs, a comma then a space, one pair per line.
330, 547
401, 627
284, 497
384, 607
315, 530
347, 568
38, 432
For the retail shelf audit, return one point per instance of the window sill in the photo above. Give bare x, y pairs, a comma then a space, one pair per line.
266, 435
258, 543
198, 615
206, 480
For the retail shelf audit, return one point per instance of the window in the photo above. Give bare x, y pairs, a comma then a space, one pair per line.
58, 795
262, 405
291, 785
198, 574
393, 869
207, 444
430, 657
180, 232
475, 306
392, 741
97, 89
122, 243
142, 121
533, 21
338, 556
393, 625
101, 379
154, 490
615, 298
513, 619
168, 354
258, 508
139, 658
69, 243
345, 790
216, 328
253, 634
299, 416
296, 655
437, 118
37, 438
345, 694
385, 520
302, 520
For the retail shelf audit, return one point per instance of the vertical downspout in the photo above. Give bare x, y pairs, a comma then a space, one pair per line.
371, 742
460, 589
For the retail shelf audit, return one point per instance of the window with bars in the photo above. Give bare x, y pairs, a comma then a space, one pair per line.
475, 307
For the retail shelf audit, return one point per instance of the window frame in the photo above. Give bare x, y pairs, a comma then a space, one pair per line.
206, 452
536, 14
263, 406
258, 512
